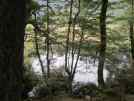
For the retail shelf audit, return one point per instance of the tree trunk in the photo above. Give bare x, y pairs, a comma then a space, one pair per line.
132, 43
103, 42
132, 35
12, 28
48, 43
68, 37
38, 54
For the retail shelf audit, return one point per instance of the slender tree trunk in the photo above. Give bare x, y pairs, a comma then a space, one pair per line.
132, 43
67, 50
73, 48
71, 67
38, 54
103, 42
48, 42
36, 30
132, 34
68, 39
12, 29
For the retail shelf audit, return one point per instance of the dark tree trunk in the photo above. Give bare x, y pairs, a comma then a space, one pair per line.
103, 42
132, 35
70, 67
68, 37
36, 29
48, 43
12, 28
38, 54
132, 43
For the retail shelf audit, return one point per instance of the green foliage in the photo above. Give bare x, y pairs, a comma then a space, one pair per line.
56, 85
117, 39
125, 77
85, 89
30, 80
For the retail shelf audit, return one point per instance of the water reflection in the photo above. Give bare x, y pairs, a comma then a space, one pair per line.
86, 68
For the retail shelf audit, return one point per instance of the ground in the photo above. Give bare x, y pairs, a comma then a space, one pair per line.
57, 99
63, 98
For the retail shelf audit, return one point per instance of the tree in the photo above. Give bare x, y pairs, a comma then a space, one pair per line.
132, 33
103, 42
72, 48
68, 35
12, 29
48, 41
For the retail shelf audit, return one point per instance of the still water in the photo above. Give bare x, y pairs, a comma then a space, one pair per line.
86, 68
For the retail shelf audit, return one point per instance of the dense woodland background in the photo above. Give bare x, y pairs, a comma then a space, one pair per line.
87, 35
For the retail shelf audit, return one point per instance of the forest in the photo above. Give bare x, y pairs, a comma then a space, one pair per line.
66, 50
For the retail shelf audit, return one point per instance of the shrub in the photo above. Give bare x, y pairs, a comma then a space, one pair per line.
55, 85
85, 89
30, 80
